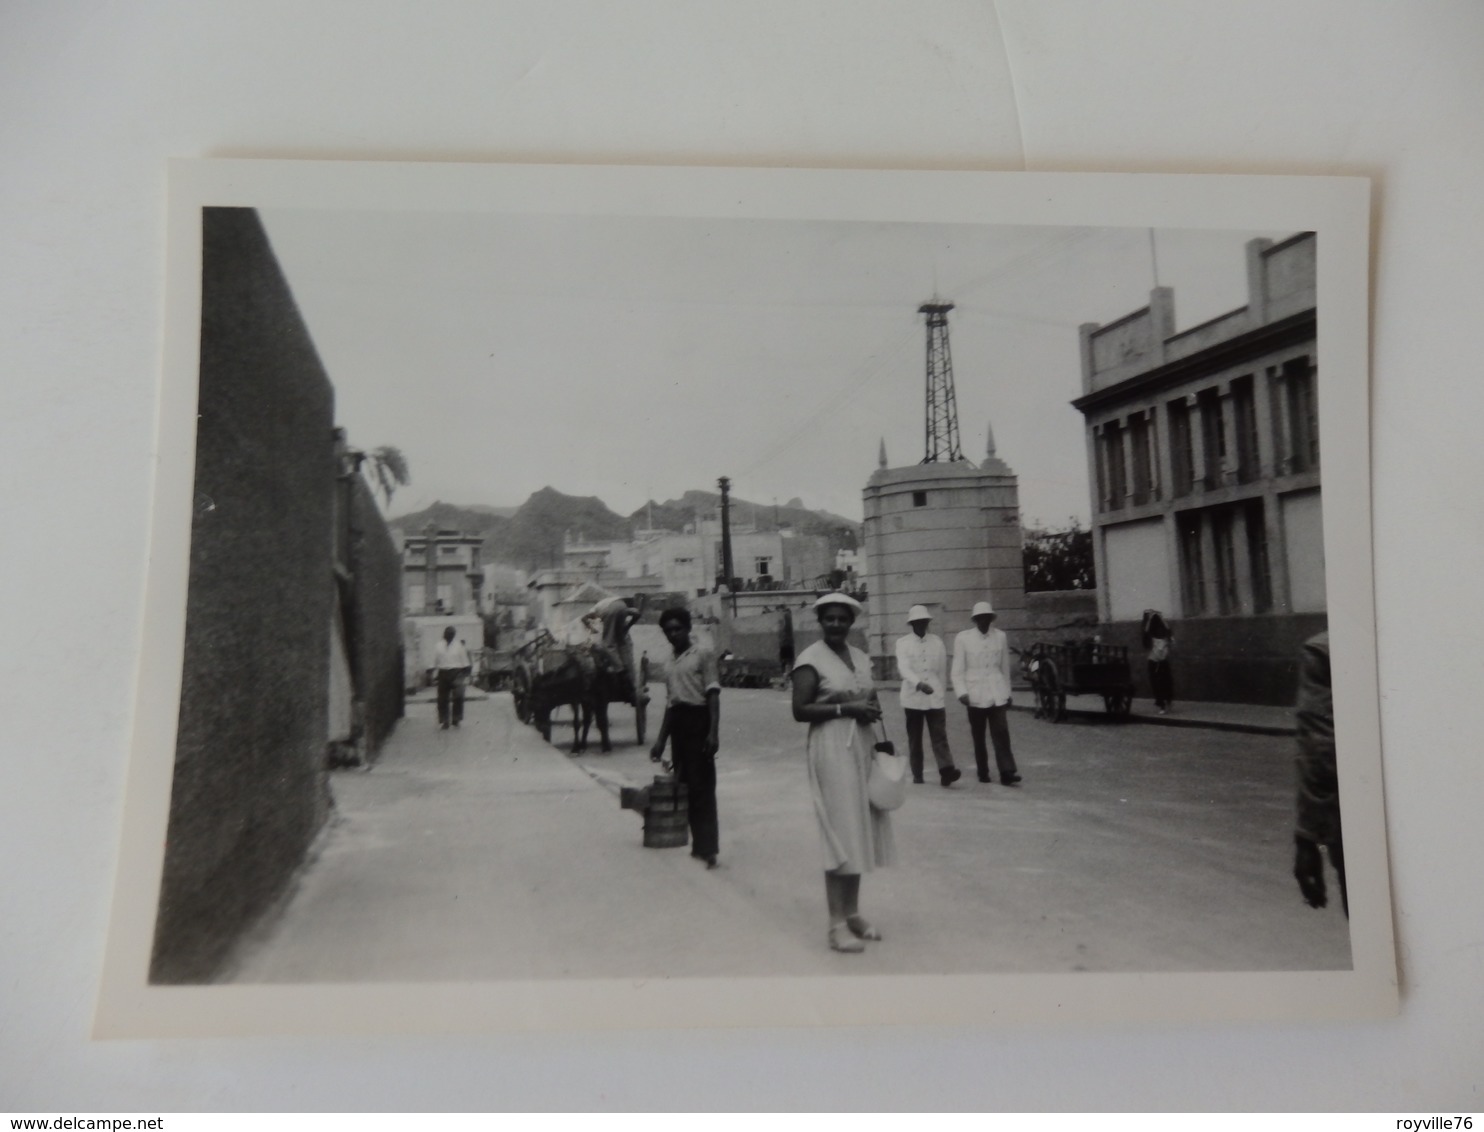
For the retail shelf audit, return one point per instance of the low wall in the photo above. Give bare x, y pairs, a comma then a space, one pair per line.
249, 789
1049, 617
1246, 660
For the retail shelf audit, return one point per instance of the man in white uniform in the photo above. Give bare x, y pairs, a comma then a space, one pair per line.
981, 681
923, 664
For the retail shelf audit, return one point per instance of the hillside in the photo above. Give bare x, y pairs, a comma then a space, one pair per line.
530, 536
674, 514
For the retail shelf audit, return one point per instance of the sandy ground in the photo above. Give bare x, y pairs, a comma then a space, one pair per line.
483, 853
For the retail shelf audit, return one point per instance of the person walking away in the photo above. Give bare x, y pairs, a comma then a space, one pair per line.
692, 727
1157, 643
834, 694
922, 662
452, 666
1318, 822
981, 681
618, 615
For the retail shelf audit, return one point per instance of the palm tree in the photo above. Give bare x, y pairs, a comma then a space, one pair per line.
389, 470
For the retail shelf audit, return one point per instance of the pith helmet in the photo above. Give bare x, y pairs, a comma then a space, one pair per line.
918, 613
982, 607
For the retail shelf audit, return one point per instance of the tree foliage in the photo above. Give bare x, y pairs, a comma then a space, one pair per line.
1058, 559
389, 470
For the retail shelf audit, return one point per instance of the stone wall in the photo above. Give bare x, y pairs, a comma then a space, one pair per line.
376, 618
1246, 660
249, 790
946, 536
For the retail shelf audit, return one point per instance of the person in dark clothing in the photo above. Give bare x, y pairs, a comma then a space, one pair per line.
1157, 643
1318, 823
691, 726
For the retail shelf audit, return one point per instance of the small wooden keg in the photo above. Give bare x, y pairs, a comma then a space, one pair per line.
667, 817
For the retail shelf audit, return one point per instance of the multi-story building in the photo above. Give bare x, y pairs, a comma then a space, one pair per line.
689, 561
1203, 455
441, 572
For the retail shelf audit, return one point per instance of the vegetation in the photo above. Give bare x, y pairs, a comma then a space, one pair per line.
1058, 559
389, 470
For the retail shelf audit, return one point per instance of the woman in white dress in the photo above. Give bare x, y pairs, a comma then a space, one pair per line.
833, 692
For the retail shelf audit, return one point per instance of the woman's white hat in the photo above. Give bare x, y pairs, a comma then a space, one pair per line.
839, 599
918, 613
981, 607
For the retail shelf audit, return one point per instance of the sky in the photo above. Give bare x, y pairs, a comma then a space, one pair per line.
636, 358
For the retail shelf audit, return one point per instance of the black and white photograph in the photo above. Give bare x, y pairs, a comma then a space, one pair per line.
618, 597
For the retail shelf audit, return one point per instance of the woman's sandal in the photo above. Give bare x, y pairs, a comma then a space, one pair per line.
861, 928
842, 940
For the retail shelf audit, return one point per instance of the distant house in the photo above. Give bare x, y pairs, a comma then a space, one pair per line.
1203, 452
441, 573
690, 561
504, 597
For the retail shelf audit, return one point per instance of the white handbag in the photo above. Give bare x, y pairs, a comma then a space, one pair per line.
886, 786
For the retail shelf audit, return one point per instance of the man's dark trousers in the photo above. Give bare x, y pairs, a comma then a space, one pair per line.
937, 727
690, 725
450, 695
999, 733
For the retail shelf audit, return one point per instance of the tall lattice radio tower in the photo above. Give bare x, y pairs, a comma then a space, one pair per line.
941, 432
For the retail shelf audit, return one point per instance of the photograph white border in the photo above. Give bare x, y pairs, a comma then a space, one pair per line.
1337, 208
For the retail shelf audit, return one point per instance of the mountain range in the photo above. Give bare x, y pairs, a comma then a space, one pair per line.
531, 536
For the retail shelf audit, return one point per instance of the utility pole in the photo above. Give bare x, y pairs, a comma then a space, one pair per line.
430, 569
941, 429
726, 538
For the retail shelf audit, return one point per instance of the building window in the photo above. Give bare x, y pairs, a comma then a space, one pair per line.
1182, 455
448, 551
919, 499
1244, 411
1116, 470
415, 599
761, 566
1213, 437
1141, 442
1192, 566
1224, 550
1303, 416
1257, 557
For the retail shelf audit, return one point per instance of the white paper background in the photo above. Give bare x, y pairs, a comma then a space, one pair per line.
96, 96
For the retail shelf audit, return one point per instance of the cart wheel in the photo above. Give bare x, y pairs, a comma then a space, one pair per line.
641, 711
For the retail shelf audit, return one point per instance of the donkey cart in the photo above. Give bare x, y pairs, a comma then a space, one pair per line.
1085, 669
588, 678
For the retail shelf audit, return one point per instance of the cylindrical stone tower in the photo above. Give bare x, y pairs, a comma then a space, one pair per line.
943, 535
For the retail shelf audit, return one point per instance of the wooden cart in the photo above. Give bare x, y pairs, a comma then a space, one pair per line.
1079, 669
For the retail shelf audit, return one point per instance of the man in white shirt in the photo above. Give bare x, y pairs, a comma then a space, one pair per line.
691, 725
923, 662
452, 665
981, 681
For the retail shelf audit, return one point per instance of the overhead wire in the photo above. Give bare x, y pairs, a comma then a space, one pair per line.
857, 378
